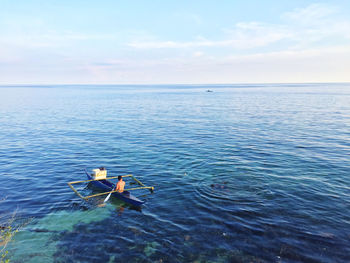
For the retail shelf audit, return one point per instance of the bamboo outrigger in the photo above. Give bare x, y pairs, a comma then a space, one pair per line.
104, 184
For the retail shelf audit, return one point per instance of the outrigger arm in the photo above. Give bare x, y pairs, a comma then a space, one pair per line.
70, 184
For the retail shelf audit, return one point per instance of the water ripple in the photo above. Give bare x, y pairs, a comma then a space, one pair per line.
244, 174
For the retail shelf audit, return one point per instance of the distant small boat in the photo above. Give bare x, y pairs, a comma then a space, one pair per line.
209, 90
108, 186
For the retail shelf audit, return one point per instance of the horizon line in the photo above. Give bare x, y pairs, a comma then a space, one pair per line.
171, 84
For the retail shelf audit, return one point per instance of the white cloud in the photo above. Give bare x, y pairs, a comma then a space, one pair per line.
308, 65
254, 34
300, 29
313, 14
323, 64
49, 39
35, 33
317, 23
243, 36
301, 48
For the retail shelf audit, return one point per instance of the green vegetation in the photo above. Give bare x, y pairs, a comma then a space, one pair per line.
7, 231
6, 234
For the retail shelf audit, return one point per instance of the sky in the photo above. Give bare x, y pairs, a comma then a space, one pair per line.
174, 42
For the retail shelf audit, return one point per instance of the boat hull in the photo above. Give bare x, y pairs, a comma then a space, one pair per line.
108, 186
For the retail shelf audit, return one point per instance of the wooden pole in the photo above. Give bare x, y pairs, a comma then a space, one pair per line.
151, 188
130, 189
137, 181
99, 194
75, 191
142, 187
140, 183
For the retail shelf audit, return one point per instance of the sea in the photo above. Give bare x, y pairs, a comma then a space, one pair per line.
241, 173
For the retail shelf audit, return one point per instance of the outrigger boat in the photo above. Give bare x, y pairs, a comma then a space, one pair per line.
99, 179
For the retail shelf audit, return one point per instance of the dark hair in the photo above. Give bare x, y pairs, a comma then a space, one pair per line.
119, 177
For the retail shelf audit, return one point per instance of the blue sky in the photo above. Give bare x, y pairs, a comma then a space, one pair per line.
145, 42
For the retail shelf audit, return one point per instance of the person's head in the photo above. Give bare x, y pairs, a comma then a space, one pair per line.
119, 177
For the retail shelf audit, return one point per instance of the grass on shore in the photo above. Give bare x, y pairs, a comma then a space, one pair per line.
7, 231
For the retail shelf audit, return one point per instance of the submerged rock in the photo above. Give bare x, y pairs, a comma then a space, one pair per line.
41, 230
151, 248
217, 186
135, 230
111, 259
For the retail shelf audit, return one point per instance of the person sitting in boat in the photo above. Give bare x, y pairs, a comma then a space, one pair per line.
120, 185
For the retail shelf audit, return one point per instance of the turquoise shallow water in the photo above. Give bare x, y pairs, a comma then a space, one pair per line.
246, 173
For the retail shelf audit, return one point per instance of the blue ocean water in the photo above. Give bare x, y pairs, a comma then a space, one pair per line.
246, 173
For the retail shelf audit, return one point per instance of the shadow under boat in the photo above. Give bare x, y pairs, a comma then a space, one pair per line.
115, 201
